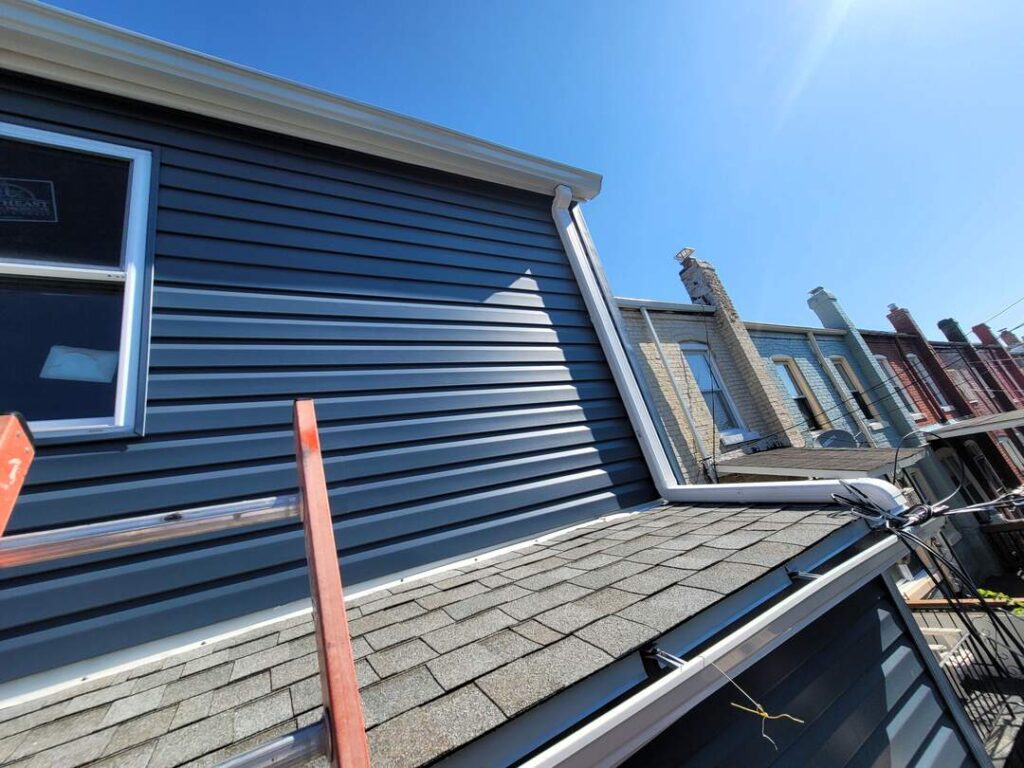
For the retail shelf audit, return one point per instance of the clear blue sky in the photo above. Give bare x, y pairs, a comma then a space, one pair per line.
875, 147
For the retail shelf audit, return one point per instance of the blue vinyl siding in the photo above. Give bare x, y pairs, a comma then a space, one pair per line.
856, 678
463, 397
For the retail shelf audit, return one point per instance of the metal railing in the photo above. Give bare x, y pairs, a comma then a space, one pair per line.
1007, 539
25, 548
986, 673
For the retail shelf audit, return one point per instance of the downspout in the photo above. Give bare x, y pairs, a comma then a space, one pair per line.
598, 302
705, 459
838, 386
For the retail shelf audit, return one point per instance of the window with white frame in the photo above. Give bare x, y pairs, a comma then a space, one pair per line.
795, 386
73, 229
897, 385
922, 373
709, 382
853, 387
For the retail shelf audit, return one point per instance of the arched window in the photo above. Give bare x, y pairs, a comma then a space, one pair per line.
897, 384
853, 387
795, 385
926, 377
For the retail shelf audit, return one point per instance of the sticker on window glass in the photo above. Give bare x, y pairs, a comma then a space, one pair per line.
27, 200
78, 364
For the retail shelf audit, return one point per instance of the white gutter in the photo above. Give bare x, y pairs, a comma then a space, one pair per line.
611, 738
58, 45
664, 306
701, 448
838, 387
753, 325
584, 267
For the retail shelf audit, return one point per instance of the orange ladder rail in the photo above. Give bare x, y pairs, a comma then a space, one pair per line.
16, 454
343, 711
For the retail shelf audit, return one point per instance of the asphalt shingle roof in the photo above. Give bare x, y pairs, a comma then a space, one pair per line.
441, 658
810, 462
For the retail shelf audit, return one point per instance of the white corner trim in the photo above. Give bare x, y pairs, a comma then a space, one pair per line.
54, 44
598, 302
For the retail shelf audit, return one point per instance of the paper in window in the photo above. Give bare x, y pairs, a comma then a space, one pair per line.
78, 364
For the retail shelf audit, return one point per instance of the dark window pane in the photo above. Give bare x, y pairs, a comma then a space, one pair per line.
60, 343
863, 405
808, 413
720, 409
60, 205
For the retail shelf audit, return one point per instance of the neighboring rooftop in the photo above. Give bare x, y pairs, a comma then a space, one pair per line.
976, 424
442, 658
828, 463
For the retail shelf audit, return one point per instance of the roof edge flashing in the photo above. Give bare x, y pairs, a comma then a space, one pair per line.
618, 733
50, 43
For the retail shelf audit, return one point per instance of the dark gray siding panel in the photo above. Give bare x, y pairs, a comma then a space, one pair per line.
854, 676
463, 397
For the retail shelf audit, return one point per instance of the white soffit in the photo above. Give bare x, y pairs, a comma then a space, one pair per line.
54, 44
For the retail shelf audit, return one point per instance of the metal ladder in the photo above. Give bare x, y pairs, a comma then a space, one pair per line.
341, 734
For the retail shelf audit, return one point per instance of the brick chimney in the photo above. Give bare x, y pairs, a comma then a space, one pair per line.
952, 331
981, 368
704, 286
985, 335
1009, 338
903, 321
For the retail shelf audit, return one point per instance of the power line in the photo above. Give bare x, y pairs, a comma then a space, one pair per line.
1004, 309
843, 401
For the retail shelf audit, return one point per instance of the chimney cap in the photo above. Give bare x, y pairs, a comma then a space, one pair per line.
893, 307
685, 253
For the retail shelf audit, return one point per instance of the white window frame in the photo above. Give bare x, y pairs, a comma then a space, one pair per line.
740, 431
131, 275
926, 377
800, 381
897, 384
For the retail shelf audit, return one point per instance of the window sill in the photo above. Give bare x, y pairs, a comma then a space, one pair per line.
42, 436
876, 426
735, 438
948, 409
918, 416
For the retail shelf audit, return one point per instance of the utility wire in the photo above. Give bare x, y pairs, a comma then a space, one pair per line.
900, 523
1001, 311
844, 401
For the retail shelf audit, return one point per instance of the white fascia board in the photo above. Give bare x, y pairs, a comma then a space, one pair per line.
583, 259
54, 44
978, 425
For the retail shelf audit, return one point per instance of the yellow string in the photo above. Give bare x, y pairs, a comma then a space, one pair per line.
758, 709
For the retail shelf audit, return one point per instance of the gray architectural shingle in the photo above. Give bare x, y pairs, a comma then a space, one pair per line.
615, 635
441, 659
